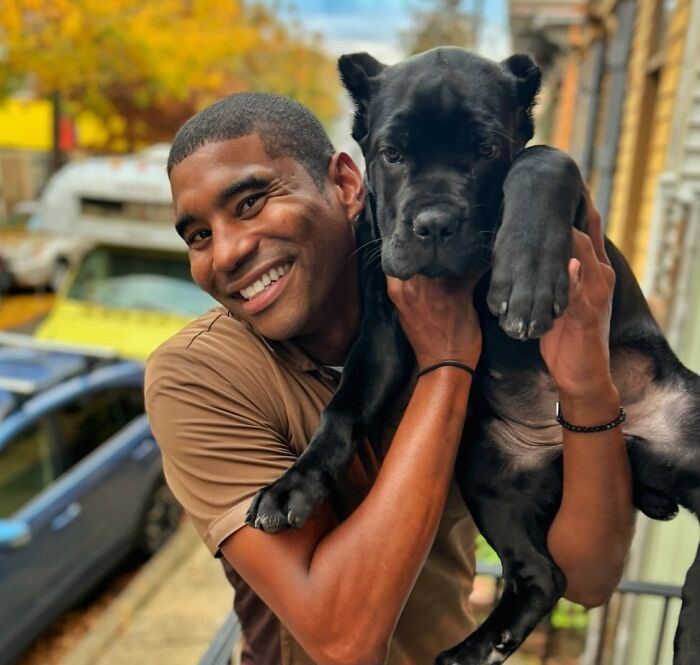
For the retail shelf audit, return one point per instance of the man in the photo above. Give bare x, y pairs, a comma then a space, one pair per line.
383, 574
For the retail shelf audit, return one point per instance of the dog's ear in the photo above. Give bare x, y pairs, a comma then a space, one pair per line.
358, 71
528, 80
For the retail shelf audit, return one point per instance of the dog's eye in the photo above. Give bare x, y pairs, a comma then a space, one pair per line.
391, 155
488, 150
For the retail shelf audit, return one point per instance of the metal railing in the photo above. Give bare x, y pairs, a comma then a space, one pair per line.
221, 647
667, 592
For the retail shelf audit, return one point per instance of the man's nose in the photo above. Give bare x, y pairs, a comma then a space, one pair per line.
231, 246
434, 225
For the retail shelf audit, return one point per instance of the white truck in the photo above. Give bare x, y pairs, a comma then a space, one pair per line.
113, 199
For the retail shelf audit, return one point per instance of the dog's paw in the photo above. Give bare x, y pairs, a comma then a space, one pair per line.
288, 502
474, 651
527, 297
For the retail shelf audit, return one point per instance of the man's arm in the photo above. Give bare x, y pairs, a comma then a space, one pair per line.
592, 531
340, 588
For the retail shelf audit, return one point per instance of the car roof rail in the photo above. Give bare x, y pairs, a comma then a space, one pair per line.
93, 351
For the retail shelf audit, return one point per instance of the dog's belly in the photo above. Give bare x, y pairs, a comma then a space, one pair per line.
523, 425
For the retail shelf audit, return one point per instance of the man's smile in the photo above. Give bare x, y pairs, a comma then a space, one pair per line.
263, 287
259, 282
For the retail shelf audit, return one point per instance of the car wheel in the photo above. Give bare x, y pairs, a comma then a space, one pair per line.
159, 521
59, 274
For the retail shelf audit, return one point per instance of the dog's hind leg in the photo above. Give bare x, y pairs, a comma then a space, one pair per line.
517, 531
686, 645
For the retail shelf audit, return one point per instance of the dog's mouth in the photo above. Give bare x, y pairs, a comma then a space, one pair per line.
404, 259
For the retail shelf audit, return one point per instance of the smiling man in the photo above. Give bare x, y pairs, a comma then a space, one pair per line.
384, 571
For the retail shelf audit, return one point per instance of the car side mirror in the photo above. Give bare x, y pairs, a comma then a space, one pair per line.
14, 534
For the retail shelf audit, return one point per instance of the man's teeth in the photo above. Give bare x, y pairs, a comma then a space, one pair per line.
270, 277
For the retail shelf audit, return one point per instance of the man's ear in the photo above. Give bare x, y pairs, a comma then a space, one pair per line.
348, 183
528, 80
359, 73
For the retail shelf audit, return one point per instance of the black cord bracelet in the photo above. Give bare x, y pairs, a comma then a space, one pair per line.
445, 363
594, 428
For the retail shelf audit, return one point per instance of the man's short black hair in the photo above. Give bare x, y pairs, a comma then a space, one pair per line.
285, 127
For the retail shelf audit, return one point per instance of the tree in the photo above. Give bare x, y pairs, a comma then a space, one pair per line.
442, 23
144, 67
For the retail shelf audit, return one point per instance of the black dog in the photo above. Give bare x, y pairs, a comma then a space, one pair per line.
451, 189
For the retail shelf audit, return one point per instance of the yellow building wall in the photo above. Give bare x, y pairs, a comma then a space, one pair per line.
661, 128
565, 112
626, 185
27, 124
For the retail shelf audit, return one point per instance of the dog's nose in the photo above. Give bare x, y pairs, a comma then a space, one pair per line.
434, 225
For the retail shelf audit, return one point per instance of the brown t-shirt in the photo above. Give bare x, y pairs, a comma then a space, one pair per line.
231, 412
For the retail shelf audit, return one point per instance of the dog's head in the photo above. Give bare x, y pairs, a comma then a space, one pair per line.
439, 132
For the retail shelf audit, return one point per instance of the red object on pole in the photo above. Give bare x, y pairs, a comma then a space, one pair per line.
67, 139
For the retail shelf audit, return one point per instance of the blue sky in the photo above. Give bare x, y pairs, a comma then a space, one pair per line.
368, 25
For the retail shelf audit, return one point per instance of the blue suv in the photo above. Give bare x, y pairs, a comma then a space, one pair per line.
81, 482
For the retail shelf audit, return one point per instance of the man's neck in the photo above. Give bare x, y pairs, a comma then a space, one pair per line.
329, 343
331, 346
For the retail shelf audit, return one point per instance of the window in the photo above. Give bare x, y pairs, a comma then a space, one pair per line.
26, 468
87, 422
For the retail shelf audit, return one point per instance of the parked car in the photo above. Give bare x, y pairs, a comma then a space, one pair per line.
81, 482
130, 299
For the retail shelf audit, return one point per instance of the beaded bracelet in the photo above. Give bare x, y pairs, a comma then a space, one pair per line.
590, 430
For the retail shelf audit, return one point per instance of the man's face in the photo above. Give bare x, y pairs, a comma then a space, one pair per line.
263, 240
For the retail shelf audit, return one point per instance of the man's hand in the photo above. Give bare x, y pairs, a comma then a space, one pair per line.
438, 317
576, 349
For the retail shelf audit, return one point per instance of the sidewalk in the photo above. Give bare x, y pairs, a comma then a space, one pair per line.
169, 613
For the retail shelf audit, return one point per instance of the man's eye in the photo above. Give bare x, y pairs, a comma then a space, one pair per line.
488, 150
197, 236
248, 203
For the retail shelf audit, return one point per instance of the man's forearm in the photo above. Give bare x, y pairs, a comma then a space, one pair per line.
387, 539
353, 581
591, 533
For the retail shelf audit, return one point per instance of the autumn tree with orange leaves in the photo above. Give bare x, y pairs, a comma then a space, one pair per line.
150, 65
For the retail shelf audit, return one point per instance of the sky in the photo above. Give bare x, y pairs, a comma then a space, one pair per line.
348, 26
367, 25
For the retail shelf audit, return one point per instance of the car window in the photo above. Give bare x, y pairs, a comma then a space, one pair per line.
150, 280
26, 468
90, 420
130, 403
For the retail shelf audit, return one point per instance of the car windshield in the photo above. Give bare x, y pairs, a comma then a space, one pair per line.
132, 279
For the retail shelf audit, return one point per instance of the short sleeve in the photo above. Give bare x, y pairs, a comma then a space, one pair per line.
218, 437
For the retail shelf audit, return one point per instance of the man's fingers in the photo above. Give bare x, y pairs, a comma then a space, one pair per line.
595, 231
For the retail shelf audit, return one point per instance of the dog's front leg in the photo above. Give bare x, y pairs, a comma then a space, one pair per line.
542, 201
378, 364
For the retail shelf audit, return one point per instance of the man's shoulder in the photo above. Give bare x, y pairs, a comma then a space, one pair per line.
214, 331
215, 340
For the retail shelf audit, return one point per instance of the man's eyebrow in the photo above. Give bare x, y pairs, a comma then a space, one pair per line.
182, 223
249, 182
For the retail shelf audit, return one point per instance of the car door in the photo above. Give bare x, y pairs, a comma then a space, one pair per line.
30, 571
104, 445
